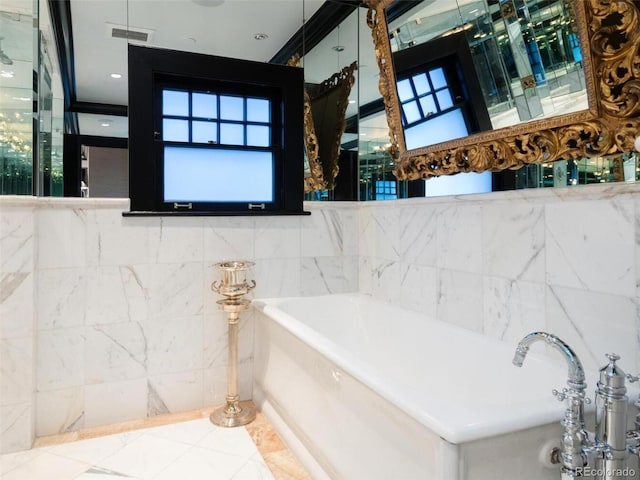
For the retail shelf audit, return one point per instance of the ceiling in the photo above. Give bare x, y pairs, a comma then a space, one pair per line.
218, 27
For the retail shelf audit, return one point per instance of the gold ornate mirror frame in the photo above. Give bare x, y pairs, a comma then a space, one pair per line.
609, 32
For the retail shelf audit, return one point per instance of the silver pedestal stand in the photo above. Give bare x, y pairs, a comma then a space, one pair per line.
233, 286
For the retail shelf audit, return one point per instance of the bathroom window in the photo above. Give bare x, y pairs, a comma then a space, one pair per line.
213, 136
217, 146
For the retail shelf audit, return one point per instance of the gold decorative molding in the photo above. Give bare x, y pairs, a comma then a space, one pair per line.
610, 36
313, 178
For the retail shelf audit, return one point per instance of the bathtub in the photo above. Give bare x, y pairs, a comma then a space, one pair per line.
360, 389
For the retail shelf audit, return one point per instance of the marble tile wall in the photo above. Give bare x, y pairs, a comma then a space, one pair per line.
506, 264
108, 318
105, 318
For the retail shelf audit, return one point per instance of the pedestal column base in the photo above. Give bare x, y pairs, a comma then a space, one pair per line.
234, 414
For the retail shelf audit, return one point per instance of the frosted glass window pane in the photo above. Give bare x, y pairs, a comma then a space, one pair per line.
258, 136
213, 175
175, 130
411, 112
448, 126
258, 110
231, 108
444, 99
421, 84
204, 105
231, 134
175, 103
428, 105
204, 132
437, 78
405, 92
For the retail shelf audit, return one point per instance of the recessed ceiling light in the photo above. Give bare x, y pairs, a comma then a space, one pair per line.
261, 36
105, 123
7, 74
116, 75
338, 48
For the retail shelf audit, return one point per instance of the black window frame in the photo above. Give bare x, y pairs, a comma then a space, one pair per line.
151, 70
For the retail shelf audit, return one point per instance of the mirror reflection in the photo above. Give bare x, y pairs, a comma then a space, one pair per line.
526, 58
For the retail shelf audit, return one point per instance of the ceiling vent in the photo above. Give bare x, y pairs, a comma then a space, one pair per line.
140, 35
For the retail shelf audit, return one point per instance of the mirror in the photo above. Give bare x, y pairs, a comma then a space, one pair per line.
328, 106
608, 39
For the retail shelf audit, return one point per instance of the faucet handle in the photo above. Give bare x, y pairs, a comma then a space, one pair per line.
632, 378
561, 395
570, 393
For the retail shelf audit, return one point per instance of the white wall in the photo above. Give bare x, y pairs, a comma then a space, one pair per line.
125, 323
505, 264
105, 318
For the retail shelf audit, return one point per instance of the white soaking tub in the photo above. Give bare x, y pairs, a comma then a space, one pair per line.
360, 389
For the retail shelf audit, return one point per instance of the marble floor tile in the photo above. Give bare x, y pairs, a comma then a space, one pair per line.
174, 447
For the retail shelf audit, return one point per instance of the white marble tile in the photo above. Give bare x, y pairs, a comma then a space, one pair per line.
65, 242
112, 239
115, 402
176, 240
16, 370
174, 344
419, 288
590, 246
460, 299
146, 457
513, 308
277, 237
379, 232
96, 473
513, 239
176, 289
254, 469
60, 358
277, 277
16, 304
228, 238
175, 392
43, 467
202, 464
115, 352
459, 238
92, 450
59, 411
594, 324
329, 232
325, 275
232, 441
116, 294
10, 461
16, 240
418, 234
380, 278
62, 296
16, 427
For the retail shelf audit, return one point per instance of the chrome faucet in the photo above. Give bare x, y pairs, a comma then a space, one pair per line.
576, 446
607, 451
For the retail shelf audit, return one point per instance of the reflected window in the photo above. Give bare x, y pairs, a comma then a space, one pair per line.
424, 95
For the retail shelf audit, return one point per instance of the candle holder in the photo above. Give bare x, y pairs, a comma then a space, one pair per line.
233, 286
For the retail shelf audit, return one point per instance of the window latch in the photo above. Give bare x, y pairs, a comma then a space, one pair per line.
253, 206
177, 206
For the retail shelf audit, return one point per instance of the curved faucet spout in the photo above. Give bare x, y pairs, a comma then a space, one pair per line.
576, 372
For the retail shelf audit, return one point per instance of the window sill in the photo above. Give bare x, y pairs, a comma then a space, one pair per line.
192, 213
